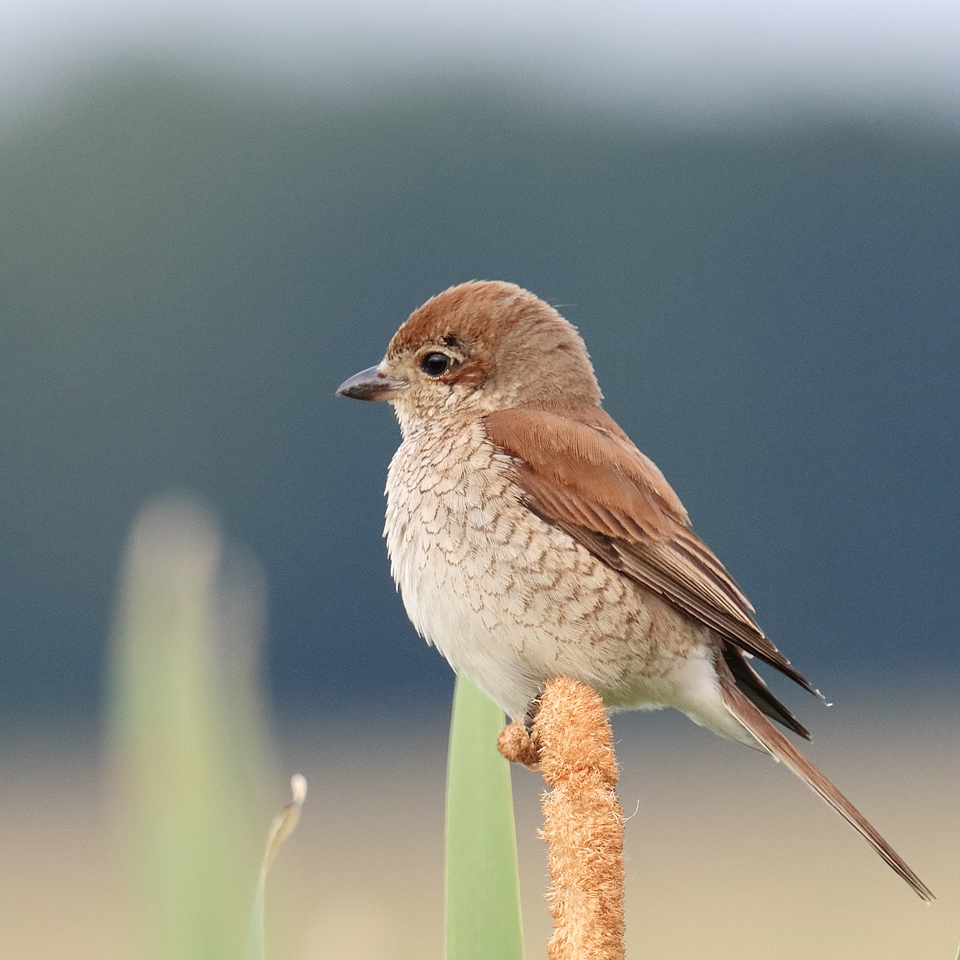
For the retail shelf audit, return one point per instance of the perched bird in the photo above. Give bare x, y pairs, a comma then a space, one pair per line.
531, 539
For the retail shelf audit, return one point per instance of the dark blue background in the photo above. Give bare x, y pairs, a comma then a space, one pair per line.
187, 271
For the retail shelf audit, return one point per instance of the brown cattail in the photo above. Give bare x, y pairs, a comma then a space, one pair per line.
582, 819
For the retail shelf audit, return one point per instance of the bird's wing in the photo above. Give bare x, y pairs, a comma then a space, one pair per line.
581, 473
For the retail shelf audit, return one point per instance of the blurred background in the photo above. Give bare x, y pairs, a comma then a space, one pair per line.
211, 215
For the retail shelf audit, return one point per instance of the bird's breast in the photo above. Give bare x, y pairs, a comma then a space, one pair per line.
508, 599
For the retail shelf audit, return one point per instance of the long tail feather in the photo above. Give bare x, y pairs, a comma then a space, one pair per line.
781, 748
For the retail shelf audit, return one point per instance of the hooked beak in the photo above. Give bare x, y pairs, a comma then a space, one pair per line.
371, 384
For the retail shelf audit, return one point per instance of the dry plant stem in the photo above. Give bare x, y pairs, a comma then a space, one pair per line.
582, 820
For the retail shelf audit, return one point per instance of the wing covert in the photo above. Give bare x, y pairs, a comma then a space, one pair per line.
579, 471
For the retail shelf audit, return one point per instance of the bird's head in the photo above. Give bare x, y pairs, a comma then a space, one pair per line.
479, 347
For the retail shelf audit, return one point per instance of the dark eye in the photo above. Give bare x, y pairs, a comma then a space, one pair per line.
434, 364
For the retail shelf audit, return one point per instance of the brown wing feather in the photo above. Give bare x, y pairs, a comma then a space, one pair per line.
579, 471
563, 461
757, 692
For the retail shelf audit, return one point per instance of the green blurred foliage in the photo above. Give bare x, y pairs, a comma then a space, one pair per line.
189, 268
188, 734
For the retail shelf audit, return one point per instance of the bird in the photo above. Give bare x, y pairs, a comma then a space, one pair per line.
530, 539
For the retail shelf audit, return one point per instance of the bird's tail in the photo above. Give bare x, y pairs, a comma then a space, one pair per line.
782, 749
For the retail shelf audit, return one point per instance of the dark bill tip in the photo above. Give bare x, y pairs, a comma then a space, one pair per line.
371, 384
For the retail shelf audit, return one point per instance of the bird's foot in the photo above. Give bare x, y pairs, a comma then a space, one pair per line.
530, 717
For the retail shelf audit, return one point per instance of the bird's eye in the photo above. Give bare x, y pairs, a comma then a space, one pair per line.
434, 364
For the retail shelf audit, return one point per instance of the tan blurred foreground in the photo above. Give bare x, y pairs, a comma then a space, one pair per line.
728, 856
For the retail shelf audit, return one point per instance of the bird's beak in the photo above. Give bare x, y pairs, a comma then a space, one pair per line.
371, 384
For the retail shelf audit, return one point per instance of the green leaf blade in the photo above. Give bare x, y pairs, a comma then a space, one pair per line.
482, 879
